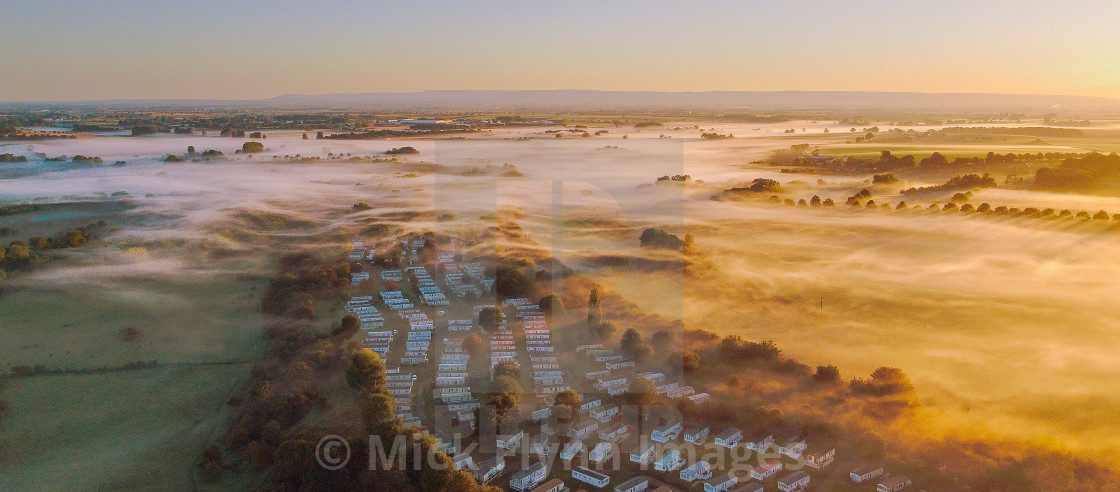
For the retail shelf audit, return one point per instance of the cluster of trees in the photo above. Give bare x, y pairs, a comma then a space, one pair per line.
659, 239
402, 151
20, 253
252, 147
959, 182
734, 347
510, 281
1078, 173
140, 130
1031, 131
301, 280
674, 178
413, 131
952, 206
759, 185
890, 162
860, 195
6, 158
505, 389
687, 360
269, 432
888, 178
716, 136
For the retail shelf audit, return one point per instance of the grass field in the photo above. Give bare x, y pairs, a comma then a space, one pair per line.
137, 429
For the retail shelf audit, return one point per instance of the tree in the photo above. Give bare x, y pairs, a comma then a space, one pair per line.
366, 371
507, 368
510, 282
594, 311
686, 360
551, 305
40, 243
689, 247
505, 393
642, 391
490, 317
350, 325
567, 398
884, 381
190, 149
827, 374
565, 406
19, 252
472, 344
606, 330
378, 412
662, 339
631, 340
643, 352
252, 147
211, 464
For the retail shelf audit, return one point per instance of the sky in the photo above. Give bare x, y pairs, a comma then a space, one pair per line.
54, 50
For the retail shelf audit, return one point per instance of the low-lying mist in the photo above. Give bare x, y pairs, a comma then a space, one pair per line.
1006, 326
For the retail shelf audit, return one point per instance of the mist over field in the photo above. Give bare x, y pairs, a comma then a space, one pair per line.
1007, 326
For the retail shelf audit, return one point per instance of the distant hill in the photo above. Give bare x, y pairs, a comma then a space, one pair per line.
568, 99
627, 100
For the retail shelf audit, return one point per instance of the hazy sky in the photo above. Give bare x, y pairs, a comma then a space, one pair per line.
95, 49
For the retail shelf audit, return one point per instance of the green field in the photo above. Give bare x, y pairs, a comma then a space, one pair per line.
137, 429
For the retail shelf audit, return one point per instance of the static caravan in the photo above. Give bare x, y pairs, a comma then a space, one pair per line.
794, 481
697, 434
590, 477
729, 437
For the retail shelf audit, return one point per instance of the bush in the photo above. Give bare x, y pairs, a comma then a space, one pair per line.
884, 381
827, 374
